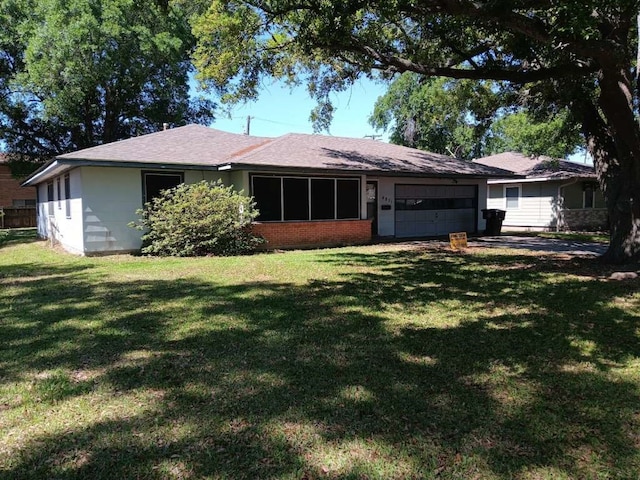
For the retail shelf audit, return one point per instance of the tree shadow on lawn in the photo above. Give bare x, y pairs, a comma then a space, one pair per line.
267, 380
18, 235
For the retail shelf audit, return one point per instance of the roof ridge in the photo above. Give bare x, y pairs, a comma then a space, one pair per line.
253, 149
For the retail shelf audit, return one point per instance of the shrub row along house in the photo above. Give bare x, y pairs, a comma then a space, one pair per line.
550, 194
311, 190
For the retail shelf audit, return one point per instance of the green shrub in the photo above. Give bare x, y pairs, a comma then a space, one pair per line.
198, 219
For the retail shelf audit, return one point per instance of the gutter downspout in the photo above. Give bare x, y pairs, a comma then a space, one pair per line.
560, 187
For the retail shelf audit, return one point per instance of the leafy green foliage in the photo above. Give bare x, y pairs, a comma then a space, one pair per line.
198, 219
520, 132
79, 73
468, 119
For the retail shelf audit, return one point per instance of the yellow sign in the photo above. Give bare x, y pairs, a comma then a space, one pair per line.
458, 241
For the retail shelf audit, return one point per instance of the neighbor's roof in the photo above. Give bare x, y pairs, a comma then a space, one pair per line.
188, 145
537, 167
322, 152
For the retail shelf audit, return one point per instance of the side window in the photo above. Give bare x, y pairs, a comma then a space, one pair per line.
154, 182
50, 197
589, 193
512, 197
67, 195
59, 193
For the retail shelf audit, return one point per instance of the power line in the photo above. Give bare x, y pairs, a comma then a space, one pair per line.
269, 121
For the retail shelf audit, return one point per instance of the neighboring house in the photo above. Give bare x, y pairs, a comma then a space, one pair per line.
11, 193
311, 190
553, 195
17, 204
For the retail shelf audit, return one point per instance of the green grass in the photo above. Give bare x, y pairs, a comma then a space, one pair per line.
594, 237
376, 362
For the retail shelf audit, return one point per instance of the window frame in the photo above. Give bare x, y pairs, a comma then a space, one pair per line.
67, 195
59, 193
593, 188
164, 173
50, 199
518, 197
310, 199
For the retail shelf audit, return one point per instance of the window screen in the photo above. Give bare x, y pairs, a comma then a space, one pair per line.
296, 198
50, 197
322, 198
67, 195
588, 196
59, 193
267, 193
155, 182
348, 198
301, 198
512, 195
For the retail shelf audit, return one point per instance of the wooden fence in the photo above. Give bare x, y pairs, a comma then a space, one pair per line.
20, 217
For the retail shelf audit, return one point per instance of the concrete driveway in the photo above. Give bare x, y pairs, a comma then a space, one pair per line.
541, 244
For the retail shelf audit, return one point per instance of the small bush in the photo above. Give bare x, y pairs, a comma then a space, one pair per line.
198, 219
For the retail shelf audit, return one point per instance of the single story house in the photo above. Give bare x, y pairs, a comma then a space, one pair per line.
311, 190
551, 194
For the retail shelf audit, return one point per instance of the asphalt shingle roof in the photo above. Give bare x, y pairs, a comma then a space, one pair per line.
356, 155
537, 167
195, 146
188, 145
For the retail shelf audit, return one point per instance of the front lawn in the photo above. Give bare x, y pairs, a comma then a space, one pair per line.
379, 362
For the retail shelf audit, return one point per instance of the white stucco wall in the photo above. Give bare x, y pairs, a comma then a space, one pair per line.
112, 196
53, 223
103, 202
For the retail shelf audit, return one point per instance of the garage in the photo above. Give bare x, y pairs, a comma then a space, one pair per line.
431, 210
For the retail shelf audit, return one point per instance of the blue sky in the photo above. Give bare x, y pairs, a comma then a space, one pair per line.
280, 110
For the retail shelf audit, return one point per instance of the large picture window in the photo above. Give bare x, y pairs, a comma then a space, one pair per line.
154, 182
304, 198
295, 193
323, 204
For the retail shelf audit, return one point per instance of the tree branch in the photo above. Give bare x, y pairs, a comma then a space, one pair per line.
399, 64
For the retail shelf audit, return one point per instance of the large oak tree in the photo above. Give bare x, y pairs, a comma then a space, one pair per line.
78, 73
576, 54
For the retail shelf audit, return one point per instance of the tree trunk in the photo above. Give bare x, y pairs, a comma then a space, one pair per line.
613, 139
624, 221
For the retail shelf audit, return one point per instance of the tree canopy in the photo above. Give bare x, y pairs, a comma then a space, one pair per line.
77, 73
469, 119
578, 55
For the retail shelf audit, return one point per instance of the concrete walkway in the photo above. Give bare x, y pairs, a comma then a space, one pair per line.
540, 244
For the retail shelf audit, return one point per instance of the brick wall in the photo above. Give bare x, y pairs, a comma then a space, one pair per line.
11, 190
314, 234
587, 219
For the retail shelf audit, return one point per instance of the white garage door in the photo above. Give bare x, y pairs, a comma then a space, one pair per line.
430, 210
